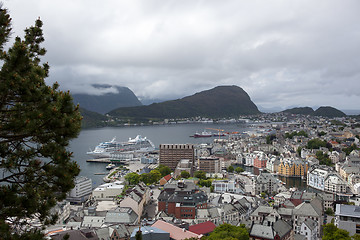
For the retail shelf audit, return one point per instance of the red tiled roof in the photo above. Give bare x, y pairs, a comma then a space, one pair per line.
167, 177
175, 232
203, 228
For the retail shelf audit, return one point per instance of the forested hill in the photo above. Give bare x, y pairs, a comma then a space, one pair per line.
124, 97
321, 111
300, 110
92, 119
329, 112
222, 101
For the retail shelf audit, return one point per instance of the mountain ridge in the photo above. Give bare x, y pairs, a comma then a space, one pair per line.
221, 101
119, 97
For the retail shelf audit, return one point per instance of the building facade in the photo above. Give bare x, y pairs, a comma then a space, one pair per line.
182, 199
171, 154
209, 164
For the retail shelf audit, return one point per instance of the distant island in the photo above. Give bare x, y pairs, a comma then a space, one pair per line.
321, 111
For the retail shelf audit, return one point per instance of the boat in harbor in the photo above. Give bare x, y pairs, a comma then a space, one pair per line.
110, 166
203, 134
137, 144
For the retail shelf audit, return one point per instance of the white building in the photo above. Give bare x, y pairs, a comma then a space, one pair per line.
335, 184
108, 191
309, 229
272, 164
82, 189
316, 178
226, 186
326, 179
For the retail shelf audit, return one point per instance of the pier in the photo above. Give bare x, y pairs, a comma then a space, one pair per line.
100, 160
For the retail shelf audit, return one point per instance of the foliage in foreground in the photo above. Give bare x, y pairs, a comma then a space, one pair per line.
37, 123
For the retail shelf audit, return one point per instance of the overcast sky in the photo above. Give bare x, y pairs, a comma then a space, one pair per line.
282, 53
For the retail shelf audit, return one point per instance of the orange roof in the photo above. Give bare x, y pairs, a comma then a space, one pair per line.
175, 232
167, 177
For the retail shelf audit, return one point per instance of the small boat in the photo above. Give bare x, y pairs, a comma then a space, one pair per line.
110, 166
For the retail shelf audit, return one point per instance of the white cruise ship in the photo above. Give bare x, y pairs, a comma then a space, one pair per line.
137, 144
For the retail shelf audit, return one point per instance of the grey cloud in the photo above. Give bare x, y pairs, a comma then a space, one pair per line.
281, 52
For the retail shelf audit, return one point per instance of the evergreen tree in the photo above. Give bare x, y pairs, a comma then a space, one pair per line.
37, 123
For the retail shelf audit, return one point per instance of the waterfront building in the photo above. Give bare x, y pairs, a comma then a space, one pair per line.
316, 176
347, 217
171, 154
209, 164
324, 178
249, 158
293, 168
260, 160
272, 164
81, 191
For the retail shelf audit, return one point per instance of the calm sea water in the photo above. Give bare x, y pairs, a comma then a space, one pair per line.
158, 134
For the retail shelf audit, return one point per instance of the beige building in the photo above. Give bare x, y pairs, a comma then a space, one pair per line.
171, 154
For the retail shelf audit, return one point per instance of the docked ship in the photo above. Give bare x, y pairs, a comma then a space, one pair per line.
137, 144
202, 134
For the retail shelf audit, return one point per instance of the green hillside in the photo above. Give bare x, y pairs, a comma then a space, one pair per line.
92, 119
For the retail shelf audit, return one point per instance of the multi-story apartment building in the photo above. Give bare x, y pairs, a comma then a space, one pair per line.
209, 164
265, 182
82, 189
326, 179
171, 154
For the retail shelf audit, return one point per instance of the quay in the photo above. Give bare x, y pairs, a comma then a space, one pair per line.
100, 160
